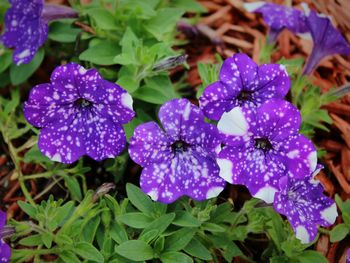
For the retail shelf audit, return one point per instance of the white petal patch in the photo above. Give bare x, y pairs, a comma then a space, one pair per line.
266, 193
214, 192
225, 169
302, 234
312, 159
187, 111
153, 194
330, 214
56, 158
127, 100
251, 7
233, 123
25, 53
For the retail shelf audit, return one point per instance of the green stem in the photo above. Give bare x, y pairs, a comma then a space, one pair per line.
47, 174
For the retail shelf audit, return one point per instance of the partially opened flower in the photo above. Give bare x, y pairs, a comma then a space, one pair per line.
243, 83
263, 146
279, 17
26, 23
327, 41
79, 113
5, 251
181, 159
306, 207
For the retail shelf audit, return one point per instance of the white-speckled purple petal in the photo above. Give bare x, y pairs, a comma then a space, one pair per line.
103, 137
277, 120
239, 72
218, 98
181, 120
301, 155
3, 217
149, 144
305, 206
5, 252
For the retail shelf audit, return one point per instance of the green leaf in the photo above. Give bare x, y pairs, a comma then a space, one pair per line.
103, 18
31, 241
185, 219
73, 186
339, 232
88, 251
160, 224
141, 201
189, 6
47, 240
135, 250
179, 239
28, 209
310, 256
197, 249
118, 233
213, 227
164, 22
102, 53
69, 257
6, 60
175, 257
19, 74
135, 220
63, 31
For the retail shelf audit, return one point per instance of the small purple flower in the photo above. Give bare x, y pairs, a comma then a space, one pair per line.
327, 41
181, 160
279, 17
79, 113
26, 25
5, 251
243, 83
348, 256
264, 145
303, 203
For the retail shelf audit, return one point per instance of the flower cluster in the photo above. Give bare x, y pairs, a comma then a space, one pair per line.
5, 252
326, 38
263, 148
26, 25
79, 113
181, 160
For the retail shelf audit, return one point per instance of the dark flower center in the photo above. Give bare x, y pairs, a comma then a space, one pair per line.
82, 103
263, 144
179, 146
245, 95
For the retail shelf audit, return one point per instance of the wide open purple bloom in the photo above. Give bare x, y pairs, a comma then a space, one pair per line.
264, 145
79, 113
279, 17
26, 24
5, 251
243, 83
181, 159
327, 41
306, 207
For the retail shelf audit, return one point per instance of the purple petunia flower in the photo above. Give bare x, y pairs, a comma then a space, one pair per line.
79, 113
181, 160
243, 83
303, 203
5, 251
348, 256
26, 25
264, 145
327, 41
279, 17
